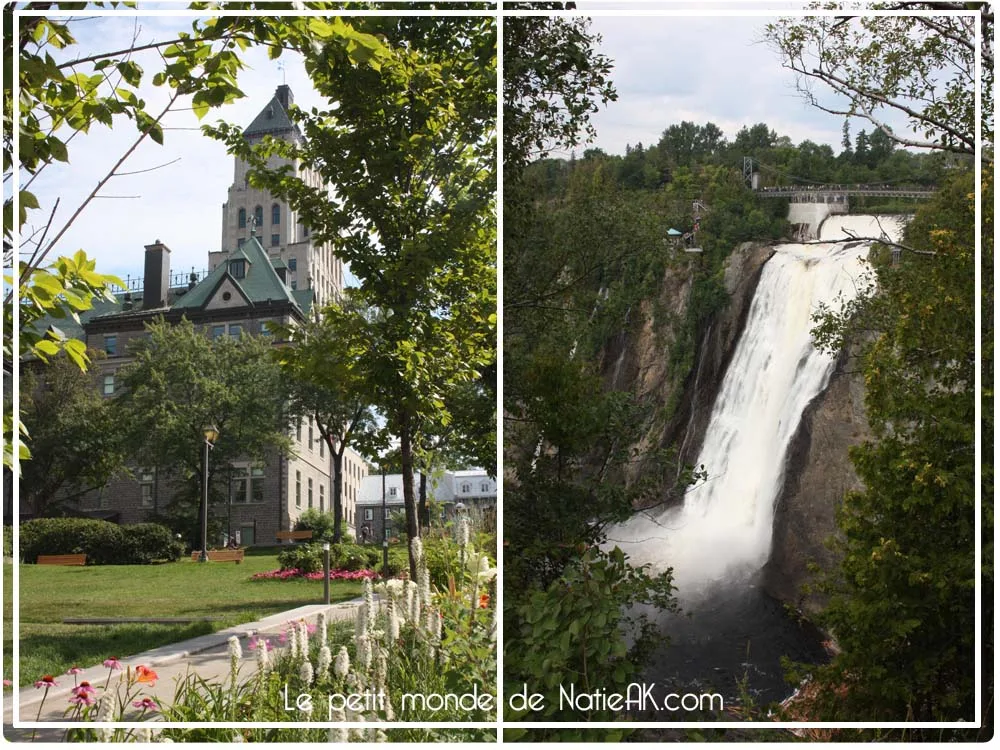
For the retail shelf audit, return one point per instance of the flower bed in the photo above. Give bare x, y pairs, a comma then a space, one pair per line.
335, 575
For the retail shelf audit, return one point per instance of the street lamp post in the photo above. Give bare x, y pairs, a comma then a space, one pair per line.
211, 433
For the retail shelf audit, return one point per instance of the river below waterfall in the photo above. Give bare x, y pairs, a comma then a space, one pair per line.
719, 539
732, 644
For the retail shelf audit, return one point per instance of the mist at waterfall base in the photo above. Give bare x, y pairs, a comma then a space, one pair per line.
719, 539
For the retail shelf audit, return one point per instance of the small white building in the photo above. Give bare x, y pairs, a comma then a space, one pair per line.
468, 488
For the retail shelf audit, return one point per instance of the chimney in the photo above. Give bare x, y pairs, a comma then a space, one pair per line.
284, 96
156, 279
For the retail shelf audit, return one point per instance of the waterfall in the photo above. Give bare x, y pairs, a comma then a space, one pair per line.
722, 531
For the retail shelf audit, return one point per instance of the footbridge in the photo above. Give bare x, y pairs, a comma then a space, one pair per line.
839, 193
807, 191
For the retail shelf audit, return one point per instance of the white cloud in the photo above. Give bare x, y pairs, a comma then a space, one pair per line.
670, 69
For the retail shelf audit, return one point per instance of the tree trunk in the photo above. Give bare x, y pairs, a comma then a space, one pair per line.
409, 501
425, 514
338, 489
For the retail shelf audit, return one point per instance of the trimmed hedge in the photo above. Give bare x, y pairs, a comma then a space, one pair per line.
103, 543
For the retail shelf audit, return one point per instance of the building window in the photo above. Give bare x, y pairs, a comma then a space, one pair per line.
298, 489
293, 286
243, 218
109, 385
392, 492
292, 264
275, 214
111, 344
310, 436
484, 487
258, 216
275, 240
218, 331
146, 489
239, 484
321, 444
466, 487
256, 485
238, 268
235, 330
369, 514
309, 495
321, 491
387, 511
298, 432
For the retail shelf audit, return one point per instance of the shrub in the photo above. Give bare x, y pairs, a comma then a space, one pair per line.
306, 558
318, 522
399, 561
355, 557
100, 541
442, 559
8, 541
145, 543
103, 543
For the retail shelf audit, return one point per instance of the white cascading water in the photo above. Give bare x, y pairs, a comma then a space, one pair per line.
722, 532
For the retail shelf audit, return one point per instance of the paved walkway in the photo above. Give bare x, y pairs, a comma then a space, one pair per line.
206, 656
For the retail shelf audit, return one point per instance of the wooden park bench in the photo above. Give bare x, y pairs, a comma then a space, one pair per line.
304, 534
62, 559
220, 555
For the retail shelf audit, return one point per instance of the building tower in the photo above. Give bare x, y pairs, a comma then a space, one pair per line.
249, 209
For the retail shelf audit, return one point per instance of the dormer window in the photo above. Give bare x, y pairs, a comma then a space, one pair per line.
238, 268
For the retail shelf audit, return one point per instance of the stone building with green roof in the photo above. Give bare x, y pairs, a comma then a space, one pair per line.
267, 270
238, 297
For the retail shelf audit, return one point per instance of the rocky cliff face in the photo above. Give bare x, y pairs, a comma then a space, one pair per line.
818, 472
640, 361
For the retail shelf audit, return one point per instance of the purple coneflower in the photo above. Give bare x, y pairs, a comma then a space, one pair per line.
83, 694
146, 704
47, 681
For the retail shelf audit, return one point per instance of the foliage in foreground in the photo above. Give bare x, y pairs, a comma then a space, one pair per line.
417, 642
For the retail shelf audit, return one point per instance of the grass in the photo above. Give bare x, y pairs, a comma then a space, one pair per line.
181, 589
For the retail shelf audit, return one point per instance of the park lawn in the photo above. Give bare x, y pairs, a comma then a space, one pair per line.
183, 589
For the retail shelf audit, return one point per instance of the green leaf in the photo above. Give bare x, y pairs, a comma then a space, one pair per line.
58, 150
199, 105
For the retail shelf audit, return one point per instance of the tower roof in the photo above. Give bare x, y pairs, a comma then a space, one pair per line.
274, 119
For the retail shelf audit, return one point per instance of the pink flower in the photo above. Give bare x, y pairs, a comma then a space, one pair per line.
337, 575
113, 663
7, 683
84, 688
47, 681
74, 670
255, 642
83, 694
146, 704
